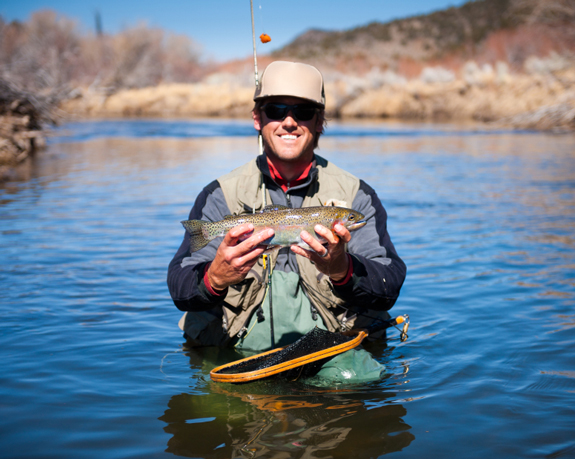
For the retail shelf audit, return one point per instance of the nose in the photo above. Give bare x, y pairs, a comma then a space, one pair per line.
289, 120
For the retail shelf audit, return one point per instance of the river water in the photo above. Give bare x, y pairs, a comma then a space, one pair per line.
94, 366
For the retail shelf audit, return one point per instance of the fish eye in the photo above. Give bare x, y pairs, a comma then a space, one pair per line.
351, 217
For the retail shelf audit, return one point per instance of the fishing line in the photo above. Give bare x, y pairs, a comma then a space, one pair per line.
181, 351
256, 77
264, 37
254, 45
259, 310
262, 19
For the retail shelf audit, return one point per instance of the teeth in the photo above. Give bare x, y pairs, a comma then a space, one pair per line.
289, 137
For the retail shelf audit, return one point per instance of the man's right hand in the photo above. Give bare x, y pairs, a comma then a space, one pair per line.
236, 255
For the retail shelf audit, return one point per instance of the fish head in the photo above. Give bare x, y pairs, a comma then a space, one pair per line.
350, 218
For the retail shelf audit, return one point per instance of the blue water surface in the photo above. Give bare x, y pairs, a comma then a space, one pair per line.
94, 364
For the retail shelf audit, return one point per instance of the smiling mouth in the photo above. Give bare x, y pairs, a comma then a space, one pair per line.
289, 137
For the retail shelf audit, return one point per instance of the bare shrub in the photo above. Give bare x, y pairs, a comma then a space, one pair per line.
40, 54
49, 51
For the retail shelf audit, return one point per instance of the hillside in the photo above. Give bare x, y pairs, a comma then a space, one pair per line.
482, 30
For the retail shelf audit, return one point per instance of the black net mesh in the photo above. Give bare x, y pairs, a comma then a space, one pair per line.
314, 341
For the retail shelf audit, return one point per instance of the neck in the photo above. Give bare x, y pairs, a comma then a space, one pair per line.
289, 171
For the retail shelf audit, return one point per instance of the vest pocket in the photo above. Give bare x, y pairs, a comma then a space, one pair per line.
240, 296
241, 299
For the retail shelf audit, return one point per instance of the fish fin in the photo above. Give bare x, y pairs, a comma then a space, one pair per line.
269, 248
199, 236
335, 203
303, 245
273, 207
272, 248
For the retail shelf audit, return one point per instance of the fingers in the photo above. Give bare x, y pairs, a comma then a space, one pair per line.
331, 258
314, 243
238, 233
252, 247
340, 237
244, 240
236, 255
342, 232
245, 248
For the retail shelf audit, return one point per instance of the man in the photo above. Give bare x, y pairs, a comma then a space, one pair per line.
235, 295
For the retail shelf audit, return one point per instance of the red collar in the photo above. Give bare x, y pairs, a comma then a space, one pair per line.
285, 185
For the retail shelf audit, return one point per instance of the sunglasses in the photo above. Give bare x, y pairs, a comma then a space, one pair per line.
302, 112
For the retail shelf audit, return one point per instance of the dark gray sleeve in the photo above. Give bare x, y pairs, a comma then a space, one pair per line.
186, 270
378, 272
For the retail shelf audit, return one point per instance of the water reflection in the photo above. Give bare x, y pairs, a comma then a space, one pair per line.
259, 420
273, 415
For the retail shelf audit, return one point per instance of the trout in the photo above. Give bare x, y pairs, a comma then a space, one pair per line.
286, 222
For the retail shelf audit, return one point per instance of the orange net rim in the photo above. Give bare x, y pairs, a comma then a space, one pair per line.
284, 366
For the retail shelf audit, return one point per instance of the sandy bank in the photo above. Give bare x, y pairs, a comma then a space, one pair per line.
534, 102
544, 102
193, 100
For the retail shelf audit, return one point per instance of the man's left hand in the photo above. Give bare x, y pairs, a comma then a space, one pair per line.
330, 259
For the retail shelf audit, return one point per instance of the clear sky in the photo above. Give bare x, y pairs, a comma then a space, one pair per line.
223, 27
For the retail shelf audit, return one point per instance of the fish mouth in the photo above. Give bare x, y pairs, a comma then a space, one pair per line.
356, 225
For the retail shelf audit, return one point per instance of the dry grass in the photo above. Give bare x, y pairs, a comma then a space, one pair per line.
489, 101
193, 100
541, 100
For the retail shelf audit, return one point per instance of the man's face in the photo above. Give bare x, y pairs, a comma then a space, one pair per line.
290, 139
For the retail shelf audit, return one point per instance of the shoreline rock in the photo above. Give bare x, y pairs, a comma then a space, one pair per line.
21, 132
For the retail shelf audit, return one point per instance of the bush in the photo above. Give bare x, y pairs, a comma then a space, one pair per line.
49, 51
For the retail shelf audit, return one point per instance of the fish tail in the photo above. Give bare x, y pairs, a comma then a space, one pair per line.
199, 232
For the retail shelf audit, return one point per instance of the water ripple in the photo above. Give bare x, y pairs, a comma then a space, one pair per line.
91, 351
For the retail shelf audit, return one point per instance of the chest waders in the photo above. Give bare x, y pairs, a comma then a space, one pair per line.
244, 188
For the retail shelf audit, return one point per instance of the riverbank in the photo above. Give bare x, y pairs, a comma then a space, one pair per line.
543, 100
18, 140
23, 117
539, 101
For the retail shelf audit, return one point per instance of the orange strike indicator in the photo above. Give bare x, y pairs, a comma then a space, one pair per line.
265, 38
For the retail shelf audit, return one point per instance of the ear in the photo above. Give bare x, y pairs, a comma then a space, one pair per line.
257, 117
319, 121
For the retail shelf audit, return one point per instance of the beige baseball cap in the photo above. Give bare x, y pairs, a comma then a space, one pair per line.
295, 79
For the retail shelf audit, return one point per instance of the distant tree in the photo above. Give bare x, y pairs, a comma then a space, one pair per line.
49, 52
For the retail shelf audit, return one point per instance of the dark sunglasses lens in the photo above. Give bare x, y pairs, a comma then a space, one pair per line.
304, 112
280, 111
276, 112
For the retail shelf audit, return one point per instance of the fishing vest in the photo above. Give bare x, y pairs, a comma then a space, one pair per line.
242, 189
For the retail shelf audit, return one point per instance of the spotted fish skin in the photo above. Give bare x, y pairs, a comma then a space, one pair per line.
286, 222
